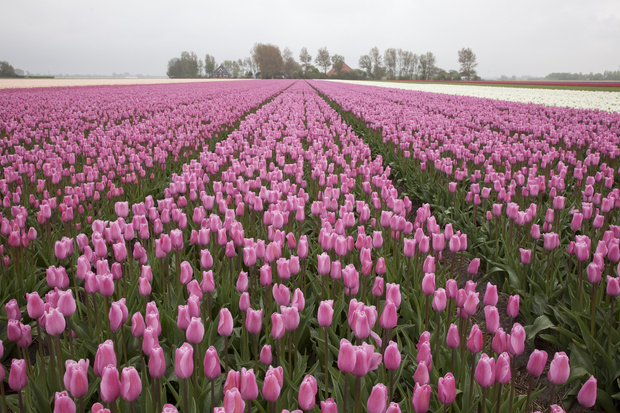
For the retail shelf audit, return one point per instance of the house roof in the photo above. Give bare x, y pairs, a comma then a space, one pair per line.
345, 69
221, 69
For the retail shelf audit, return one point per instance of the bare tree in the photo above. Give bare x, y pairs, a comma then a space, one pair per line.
338, 62
377, 69
290, 65
209, 65
365, 64
323, 60
305, 58
405, 64
389, 58
269, 60
427, 66
467, 59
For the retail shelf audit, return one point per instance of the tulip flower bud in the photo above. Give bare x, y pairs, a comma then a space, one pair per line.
110, 386
537, 362
513, 306
587, 394
225, 325
131, 385
253, 320
428, 284
63, 403
18, 378
452, 338
502, 369
307, 393
421, 375
195, 331
329, 406
76, 377
248, 387
105, 355
377, 402
559, 369
485, 371
272, 384
392, 356
346, 356
157, 362
393, 408
439, 300
266, 356
184, 361
475, 340
421, 398
446, 389
233, 402
326, 313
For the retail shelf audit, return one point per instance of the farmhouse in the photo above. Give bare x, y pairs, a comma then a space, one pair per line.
221, 72
345, 69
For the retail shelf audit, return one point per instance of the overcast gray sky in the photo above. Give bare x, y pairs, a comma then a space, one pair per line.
528, 37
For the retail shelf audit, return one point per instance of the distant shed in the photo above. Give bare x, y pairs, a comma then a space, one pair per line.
221, 72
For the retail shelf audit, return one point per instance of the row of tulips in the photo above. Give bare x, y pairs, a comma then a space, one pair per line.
538, 198
292, 182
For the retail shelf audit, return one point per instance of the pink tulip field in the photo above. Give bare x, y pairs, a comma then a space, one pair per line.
287, 246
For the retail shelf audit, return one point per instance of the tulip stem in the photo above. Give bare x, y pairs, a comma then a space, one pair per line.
483, 401
471, 380
290, 352
212, 395
3, 398
59, 358
426, 313
358, 396
256, 352
551, 395
499, 398
512, 384
326, 369
226, 354
611, 324
186, 393
21, 401
391, 385
344, 392
529, 393
593, 309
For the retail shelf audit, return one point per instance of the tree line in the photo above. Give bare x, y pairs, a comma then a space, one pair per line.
606, 75
268, 61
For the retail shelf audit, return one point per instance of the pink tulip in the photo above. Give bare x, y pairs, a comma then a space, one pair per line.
475, 340
452, 338
421, 398
307, 393
184, 361
225, 324
446, 389
502, 369
63, 403
421, 375
377, 402
105, 355
131, 385
329, 406
157, 362
325, 313
233, 402
248, 386
76, 377
428, 284
18, 378
537, 362
212, 366
559, 369
254, 320
195, 331
587, 394
346, 356
110, 386
274, 380
485, 371
393, 408
513, 306
266, 357
392, 356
